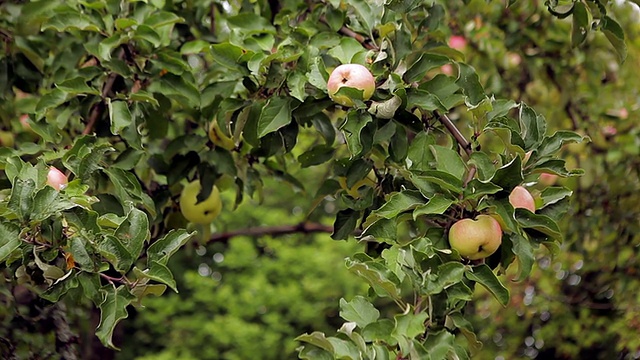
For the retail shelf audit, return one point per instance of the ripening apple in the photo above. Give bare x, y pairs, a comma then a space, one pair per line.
354, 76
56, 179
219, 138
547, 179
203, 212
457, 42
6, 139
476, 239
522, 198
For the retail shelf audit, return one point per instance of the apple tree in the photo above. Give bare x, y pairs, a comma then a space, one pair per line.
152, 109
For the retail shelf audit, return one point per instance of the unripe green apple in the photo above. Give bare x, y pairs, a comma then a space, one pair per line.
203, 212
219, 138
521, 198
476, 239
6, 139
56, 179
354, 76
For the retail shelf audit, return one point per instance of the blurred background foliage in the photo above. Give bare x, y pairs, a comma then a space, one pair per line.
247, 298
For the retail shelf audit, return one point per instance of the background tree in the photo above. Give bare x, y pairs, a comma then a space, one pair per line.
134, 100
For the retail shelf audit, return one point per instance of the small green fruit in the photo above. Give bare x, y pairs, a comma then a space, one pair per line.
203, 212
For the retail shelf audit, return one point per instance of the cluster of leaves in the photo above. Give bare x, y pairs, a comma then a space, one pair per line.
120, 95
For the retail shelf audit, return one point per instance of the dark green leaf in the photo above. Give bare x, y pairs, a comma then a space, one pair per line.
483, 275
113, 309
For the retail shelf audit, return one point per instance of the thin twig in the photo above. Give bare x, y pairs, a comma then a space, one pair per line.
98, 108
304, 228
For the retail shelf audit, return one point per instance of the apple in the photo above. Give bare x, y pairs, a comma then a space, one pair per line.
547, 179
457, 42
447, 69
219, 138
521, 198
56, 179
203, 212
354, 76
476, 239
6, 139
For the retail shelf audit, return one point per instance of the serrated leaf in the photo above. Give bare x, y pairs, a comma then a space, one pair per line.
346, 50
419, 157
408, 326
436, 205
540, 223
443, 179
448, 161
466, 329
113, 309
581, 24
377, 275
483, 275
9, 239
20, 201
275, 115
162, 249
470, 83
77, 86
552, 195
382, 230
532, 126
552, 144
509, 175
424, 100
359, 310
134, 231
158, 272
399, 202
48, 202
476, 189
64, 21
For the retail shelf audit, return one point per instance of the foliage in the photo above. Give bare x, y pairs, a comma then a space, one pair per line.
121, 95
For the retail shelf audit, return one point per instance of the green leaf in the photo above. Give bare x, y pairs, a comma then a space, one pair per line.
9, 239
119, 115
134, 232
532, 125
52, 99
483, 275
420, 67
345, 224
379, 330
552, 195
540, 223
346, 50
381, 279
352, 128
113, 309
614, 33
158, 272
466, 329
419, 157
228, 55
382, 230
317, 339
77, 248
476, 189
509, 175
523, 251
408, 326
48, 202
470, 83
77, 86
359, 310
552, 144
448, 161
317, 155
20, 201
398, 203
424, 100
275, 114
443, 179
581, 24
162, 249
448, 274
436, 205
68, 20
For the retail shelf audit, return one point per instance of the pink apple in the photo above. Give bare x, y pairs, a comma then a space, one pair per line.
476, 239
351, 75
547, 179
521, 198
447, 69
457, 42
56, 179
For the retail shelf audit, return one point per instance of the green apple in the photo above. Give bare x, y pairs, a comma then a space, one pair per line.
476, 239
203, 212
57, 179
354, 76
6, 139
219, 138
521, 198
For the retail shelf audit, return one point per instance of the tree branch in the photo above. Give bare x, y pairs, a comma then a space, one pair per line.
65, 339
98, 108
303, 227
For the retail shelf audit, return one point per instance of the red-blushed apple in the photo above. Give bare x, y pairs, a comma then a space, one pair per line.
447, 69
547, 179
354, 76
457, 42
476, 239
522, 198
56, 179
